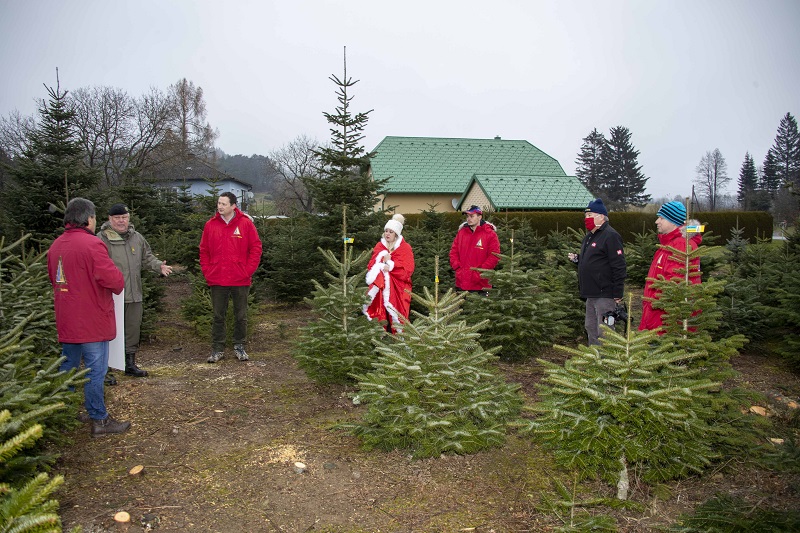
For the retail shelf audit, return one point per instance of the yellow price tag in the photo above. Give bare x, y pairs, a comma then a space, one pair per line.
695, 229
437, 279
348, 240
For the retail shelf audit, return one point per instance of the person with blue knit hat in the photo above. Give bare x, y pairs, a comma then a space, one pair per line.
601, 268
671, 225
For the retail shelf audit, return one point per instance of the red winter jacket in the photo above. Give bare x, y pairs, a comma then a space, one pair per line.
83, 278
474, 249
230, 253
662, 265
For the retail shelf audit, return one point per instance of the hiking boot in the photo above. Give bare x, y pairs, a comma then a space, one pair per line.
130, 366
240, 353
109, 426
83, 418
216, 356
110, 379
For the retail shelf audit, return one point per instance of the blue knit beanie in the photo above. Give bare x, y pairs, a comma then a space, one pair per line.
675, 212
597, 206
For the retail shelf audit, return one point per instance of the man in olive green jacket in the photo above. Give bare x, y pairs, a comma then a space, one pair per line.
131, 253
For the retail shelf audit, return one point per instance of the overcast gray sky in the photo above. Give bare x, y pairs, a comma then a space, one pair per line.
685, 77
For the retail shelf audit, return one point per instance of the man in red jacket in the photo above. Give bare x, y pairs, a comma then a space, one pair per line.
83, 278
475, 246
671, 225
230, 252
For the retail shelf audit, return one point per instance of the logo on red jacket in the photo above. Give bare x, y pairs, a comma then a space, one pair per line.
237, 233
479, 244
61, 278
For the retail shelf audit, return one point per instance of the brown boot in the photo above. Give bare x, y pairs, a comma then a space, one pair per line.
109, 426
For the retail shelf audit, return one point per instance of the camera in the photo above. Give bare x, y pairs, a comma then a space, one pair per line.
619, 314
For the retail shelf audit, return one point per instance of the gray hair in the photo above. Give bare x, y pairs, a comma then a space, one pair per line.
78, 212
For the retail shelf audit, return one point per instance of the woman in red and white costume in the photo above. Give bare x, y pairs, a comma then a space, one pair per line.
389, 277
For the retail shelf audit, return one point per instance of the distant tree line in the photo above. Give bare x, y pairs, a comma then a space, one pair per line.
609, 169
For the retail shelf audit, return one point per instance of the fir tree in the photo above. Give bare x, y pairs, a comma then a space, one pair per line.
589, 164
623, 182
25, 506
625, 404
785, 306
339, 343
50, 170
638, 256
770, 180
432, 238
748, 183
787, 153
342, 179
288, 260
433, 390
691, 315
521, 314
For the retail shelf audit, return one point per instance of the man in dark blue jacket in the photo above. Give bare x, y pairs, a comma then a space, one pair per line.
601, 268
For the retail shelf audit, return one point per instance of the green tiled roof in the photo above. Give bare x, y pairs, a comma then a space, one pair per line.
437, 165
532, 192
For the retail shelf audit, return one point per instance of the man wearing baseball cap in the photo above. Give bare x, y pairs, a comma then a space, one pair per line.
475, 246
601, 268
671, 226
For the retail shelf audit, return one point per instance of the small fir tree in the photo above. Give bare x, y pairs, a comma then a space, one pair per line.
434, 390
25, 505
521, 314
691, 315
338, 344
625, 404
288, 258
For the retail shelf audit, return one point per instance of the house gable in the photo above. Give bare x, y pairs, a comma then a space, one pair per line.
498, 192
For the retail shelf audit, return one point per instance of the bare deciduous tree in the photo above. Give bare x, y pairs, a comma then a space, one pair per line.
15, 131
292, 163
712, 177
119, 133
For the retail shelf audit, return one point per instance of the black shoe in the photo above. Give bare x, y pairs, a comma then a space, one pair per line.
130, 366
110, 379
83, 418
109, 426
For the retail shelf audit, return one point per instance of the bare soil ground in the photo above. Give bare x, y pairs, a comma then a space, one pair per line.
218, 443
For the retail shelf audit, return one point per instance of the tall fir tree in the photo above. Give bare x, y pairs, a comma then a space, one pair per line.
342, 179
625, 405
50, 171
770, 180
623, 182
589, 164
787, 153
434, 390
748, 183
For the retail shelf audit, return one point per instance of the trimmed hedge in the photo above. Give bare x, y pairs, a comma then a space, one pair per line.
754, 223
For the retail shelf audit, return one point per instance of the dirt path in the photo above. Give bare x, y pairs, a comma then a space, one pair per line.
218, 443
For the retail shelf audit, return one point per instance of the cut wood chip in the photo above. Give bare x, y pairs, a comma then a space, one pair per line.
122, 517
776, 440
136, 470
757, 409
